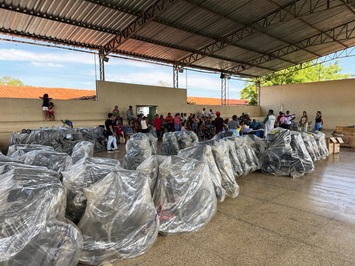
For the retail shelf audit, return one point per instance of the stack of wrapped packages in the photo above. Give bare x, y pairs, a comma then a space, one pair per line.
286, 154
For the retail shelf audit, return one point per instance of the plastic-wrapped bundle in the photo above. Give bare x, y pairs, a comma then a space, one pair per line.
259, 145
322, 144
26, 148
32, 224
203, 153
53, 160
120, 219
153, 140
311, 145
223, 134
186, 138
138, 148
185, 198
279, 158
300, 149
170, 144
252, 158
81, 150
233, 156
224, 165
6, 166
83, 174
150, 167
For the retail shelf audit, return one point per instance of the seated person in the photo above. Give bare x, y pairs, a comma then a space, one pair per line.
129, 130
255, 125
245, 128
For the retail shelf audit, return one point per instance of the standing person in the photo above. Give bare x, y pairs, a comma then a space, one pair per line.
51, 111
211, 114
203, 112
269, 122
319, 121
130, 114
177, 122
45, 106
282, 122
144, 125
169, 122
234, 125
289, 118
218, 122
157, 124
303, 123
111, 133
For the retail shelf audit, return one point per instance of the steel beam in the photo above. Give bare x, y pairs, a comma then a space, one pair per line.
102, 64
285, 13
156, 8
343, 32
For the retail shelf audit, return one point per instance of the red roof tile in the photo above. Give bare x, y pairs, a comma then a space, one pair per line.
28, 92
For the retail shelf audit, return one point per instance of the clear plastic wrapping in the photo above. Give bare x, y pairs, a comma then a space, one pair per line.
26, 148
62, 139
321, 143
83, 174
279, 158
311, 145
300, 149
120, 219
82, 150
170, 144
139, 147
203, 153
32, 224
185, 198
186, 139
150, 167
223, 162
56, 161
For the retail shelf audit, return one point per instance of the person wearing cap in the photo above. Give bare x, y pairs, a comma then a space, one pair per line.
218, 122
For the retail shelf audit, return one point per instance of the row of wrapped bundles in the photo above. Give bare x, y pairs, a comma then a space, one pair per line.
286, 154
62, 139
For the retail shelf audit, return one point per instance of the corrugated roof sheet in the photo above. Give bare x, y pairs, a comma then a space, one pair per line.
212, 34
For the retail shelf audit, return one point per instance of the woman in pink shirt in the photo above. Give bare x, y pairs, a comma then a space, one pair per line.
177, 122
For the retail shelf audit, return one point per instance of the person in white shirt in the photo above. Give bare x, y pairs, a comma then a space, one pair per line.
269, 122
289, 118
203, 113
211, 114
144, 125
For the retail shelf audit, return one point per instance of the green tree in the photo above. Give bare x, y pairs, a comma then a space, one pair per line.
7, 80
303, 73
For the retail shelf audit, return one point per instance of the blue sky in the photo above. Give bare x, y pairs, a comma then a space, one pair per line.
54, 67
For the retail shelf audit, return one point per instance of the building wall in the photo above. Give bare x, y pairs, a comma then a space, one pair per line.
335, 99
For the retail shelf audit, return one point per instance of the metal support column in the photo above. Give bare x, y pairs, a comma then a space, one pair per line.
175, 76
102, 64
258, 90
223, 89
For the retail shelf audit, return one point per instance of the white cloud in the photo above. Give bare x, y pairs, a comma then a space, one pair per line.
46, 64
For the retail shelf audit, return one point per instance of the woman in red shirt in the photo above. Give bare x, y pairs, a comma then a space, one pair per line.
157, 124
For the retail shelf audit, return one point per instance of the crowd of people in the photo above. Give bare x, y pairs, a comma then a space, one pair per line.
205, 124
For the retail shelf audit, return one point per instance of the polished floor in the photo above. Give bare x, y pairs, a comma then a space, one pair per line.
274, 221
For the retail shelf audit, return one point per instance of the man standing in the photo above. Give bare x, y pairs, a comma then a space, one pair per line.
269, 122
130, 114
289, 118
111, 134
218, 122
169, 122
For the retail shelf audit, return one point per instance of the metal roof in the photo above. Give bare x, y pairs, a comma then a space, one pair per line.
248, 38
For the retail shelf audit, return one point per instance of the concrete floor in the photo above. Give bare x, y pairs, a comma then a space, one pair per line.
274, 221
